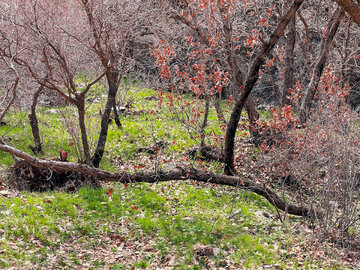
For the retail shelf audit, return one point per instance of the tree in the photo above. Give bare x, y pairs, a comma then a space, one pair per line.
250, 81
9, 86
320, 64
111, 26
58, 43
289, 62
40, 38
34, 123
209, 34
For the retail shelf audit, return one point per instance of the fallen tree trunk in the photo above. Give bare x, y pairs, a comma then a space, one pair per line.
179, 174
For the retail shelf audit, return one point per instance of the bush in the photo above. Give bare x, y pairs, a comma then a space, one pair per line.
320, 160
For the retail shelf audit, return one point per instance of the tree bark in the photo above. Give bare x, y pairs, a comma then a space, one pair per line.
176, 175
113, 77
205, 121
34, 124
289, 62
81, 109
116, 116
350, 7
11, 102
238, 77
325, 46
249, 84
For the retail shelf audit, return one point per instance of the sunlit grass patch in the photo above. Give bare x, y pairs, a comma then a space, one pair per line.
170, 216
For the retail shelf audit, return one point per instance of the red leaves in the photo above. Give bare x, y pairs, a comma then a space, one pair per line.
78, 207
110, 192
115, 237
248, 40
63, 155
230, 100
262, 22
47, 201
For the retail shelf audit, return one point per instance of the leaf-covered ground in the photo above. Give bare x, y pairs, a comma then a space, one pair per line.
177, 225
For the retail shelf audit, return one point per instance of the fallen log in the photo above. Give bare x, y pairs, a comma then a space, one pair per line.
180, 174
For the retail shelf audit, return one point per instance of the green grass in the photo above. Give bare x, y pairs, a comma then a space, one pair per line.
55, 230
171, 216
58, 127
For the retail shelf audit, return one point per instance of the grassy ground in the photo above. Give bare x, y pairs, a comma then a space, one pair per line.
147, 226
141, 226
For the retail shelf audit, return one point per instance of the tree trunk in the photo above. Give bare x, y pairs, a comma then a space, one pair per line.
11, 102
253, 114
113, 78
249, 84
238, 79
205, 121
116, 116
37, 148
160, 176
350, 7
289, 62
325, 46
81, 109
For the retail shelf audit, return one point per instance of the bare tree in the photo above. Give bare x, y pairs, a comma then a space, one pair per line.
40, 38
325, 46
112, 25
